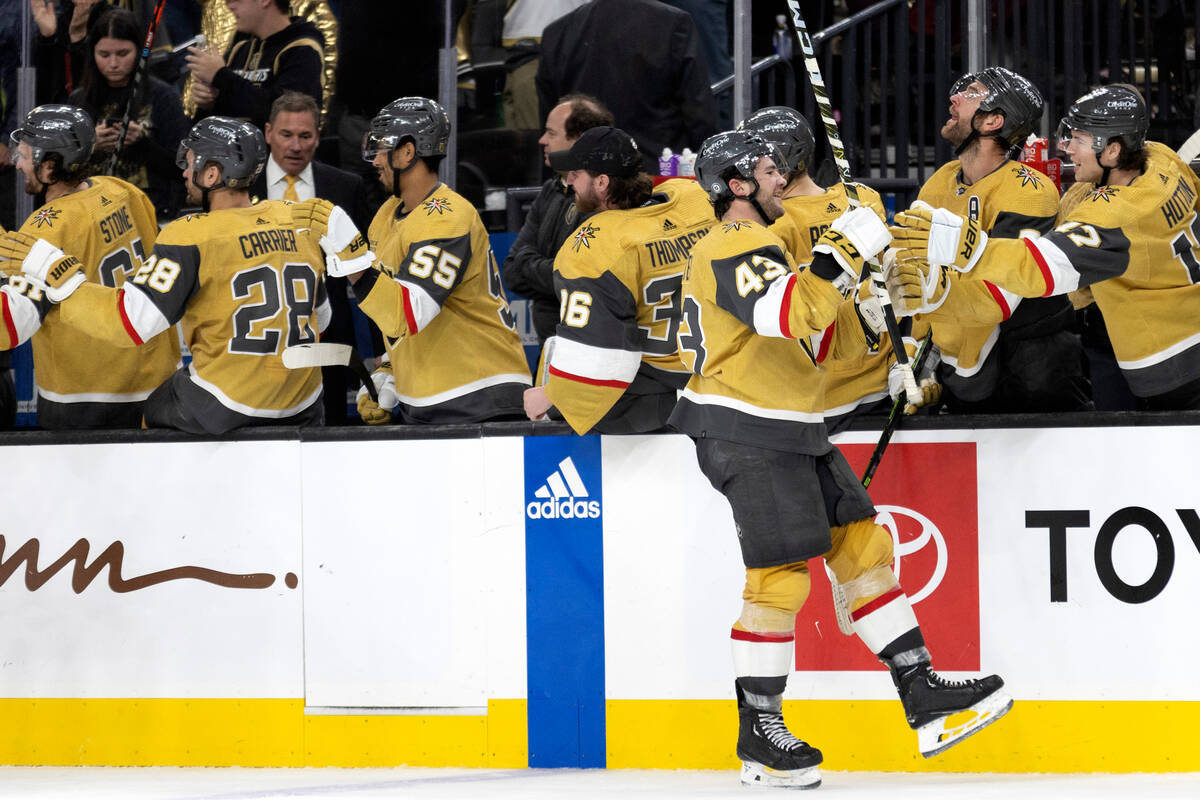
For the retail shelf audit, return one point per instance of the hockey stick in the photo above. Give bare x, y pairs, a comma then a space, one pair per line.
825, 108
135, 85
330, 354
894, 418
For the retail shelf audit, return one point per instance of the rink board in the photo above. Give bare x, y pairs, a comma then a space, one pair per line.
555, 601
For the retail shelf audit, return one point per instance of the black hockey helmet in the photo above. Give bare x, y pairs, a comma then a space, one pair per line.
729, 155
788, 130
1108, 112
238, 147
1009, 94
62, 130
419, 119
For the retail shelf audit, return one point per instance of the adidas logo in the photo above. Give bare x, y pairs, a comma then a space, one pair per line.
668, 225
261, 221
832, 208
104, 201
560, 497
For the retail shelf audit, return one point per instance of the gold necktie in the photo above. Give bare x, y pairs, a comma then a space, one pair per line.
290, 192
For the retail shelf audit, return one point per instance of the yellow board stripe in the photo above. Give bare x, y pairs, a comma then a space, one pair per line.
1055, 737
1058, 736
251, 733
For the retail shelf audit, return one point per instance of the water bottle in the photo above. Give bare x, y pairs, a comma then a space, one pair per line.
668, 163
687, 163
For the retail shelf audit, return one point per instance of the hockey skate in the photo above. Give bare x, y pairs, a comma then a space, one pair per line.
771, 755
943, 712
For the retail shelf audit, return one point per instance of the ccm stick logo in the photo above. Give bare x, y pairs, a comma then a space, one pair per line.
112, 558
563, 496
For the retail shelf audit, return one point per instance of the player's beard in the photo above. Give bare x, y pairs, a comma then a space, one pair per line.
587, 201
32, 185
952, 130
771, 204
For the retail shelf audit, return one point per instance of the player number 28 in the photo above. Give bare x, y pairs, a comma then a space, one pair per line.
158, 273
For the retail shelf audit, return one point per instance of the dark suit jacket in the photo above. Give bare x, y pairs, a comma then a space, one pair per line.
660, 94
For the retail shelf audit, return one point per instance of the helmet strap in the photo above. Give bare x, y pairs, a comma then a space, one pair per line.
971, 137
396, 173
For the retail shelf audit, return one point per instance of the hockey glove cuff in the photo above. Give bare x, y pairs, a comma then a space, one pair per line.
46, 266
855, 237
938, 236
345, 247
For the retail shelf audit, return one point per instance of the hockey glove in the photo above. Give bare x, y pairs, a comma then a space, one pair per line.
52, 270
345, 248
379, 413
915, 286
938, 236
927, 382
853, 238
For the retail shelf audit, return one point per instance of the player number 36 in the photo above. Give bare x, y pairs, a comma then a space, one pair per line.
574, 308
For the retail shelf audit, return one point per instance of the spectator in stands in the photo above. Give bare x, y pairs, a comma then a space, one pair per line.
712, 26
270, 54
641, 59
529, 267
60, 49
156, 120
524, 22
292, 174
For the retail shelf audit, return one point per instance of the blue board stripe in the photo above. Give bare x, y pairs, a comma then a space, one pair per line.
564, 617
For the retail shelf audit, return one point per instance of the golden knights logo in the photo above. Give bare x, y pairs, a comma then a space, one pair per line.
1028, 176
1104, 193
439, 204
583, 237
737, 225
46, 217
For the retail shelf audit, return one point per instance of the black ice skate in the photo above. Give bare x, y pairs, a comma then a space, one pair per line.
770, 754
943, 712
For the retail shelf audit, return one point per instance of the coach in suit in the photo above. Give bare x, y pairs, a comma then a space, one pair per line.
292, 174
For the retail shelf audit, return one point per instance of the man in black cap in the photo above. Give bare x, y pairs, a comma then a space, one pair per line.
613, 365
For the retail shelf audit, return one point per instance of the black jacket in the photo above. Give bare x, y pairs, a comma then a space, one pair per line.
639, 57
257, 71
529, 267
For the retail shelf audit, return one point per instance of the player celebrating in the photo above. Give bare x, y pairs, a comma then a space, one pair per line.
435, 291
614, 366
753, 407
245, 281
1000, 353
859, 382
1133, 238
83, 381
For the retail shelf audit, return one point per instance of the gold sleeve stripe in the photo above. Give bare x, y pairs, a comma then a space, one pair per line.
306, 42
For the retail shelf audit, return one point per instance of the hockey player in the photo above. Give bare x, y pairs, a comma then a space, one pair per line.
83, 381
858, 383
1133, 238
1000, 353
245, 281
435, 289
753, 407
613, 366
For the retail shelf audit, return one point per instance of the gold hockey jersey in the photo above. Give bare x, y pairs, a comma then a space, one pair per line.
1138, 247
752, 331
619, 279
437, 296
109, 226
1012, 201
244, 283
860, 378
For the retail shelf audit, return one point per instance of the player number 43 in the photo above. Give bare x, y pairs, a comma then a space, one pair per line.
750, 280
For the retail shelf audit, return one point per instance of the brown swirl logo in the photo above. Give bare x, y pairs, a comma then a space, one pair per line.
112, 558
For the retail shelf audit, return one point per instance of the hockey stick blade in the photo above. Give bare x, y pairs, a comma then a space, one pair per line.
317, 354
330, 354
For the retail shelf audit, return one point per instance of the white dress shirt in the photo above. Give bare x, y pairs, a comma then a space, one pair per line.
277, 181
